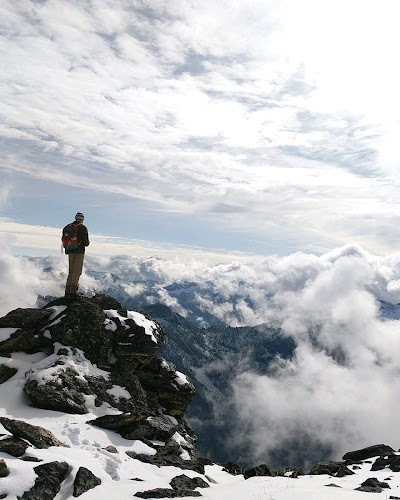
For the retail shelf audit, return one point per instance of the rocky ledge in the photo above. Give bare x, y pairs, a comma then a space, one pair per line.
98, 355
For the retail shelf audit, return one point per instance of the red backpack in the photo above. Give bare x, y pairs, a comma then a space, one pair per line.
70, 237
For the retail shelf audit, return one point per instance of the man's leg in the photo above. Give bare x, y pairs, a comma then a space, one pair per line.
76, 267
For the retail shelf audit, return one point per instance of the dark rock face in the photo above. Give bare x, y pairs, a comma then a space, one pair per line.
85, 480
260, 470
13, 446
6, 372
38, 436
100, 353
369, 452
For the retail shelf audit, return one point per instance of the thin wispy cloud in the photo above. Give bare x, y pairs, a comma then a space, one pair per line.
263, 111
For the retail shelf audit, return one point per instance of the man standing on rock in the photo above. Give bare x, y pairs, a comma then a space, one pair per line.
75, 238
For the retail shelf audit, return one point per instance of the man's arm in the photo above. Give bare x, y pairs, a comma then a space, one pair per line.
85, 236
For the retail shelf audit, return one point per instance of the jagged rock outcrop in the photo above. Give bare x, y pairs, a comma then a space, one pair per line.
99, 354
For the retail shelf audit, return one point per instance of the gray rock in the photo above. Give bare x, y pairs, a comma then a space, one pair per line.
330, 468
13, 446
344, 471
260, 470
6, 372
369, 452
166, 493
232, 468
58, 470
45, 488
372, 485
169, 455
294, 471
48, 482
4, 470
184, 482
85, 480
38, 436
157, 428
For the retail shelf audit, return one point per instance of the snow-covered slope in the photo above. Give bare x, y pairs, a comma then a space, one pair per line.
122, 477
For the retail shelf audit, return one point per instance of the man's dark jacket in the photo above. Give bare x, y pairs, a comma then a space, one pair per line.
83, 238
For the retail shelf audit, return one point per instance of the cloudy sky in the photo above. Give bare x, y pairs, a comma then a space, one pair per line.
221, 126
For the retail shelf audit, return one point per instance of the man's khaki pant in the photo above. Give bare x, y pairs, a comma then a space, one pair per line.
75, 271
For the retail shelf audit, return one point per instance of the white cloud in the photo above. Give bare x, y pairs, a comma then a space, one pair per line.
189, 105
21, 282
341, 388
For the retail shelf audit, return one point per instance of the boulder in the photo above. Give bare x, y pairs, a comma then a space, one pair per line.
289, 471
166, 493
4, 470
369, 452
232, 468
185, 483
82, 326
170, 454
48, 482
330, 468
13, 446
372, 485
157, 428
85, 480
260, 470
38, 436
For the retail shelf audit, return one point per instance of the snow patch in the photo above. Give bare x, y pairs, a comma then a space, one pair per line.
181, 378
149, 326
118, 392
43, 371
56, 311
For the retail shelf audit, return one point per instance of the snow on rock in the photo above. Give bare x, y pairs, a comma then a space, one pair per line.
181, 378
57, 310
75, 360
149, 326
118, 392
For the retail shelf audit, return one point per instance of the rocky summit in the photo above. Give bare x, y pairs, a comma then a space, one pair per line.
88, 407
